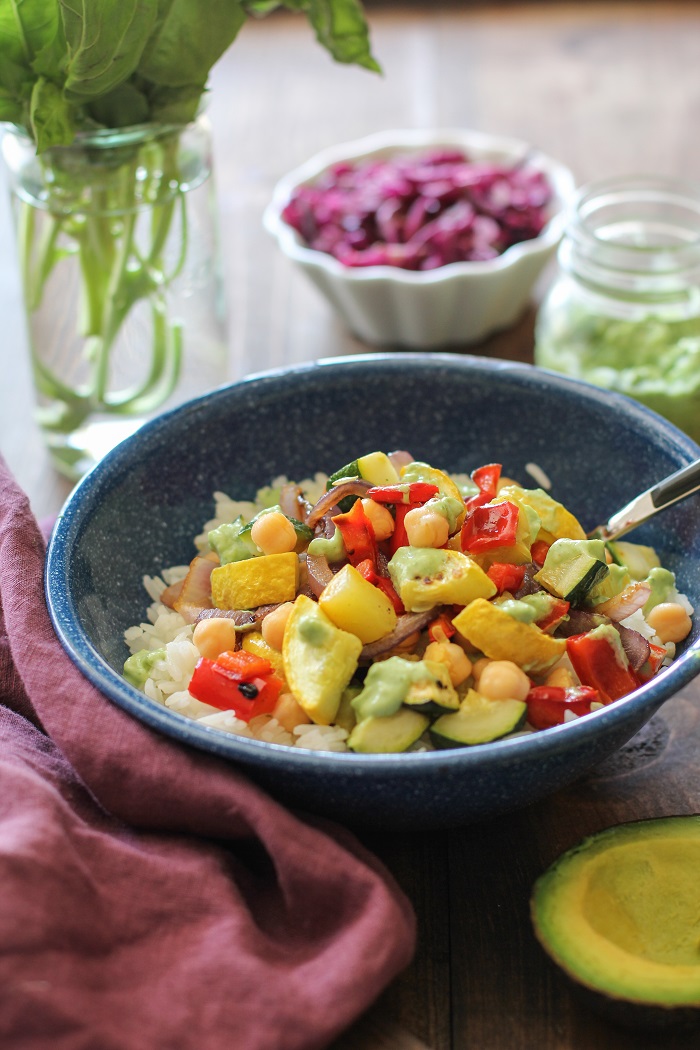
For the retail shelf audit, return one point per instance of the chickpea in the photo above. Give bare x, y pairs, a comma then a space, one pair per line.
478, 668
670, 621
214, 635
504, 680
273, 533
273, 625
453, 656
380, 517
426, 528
560, 677
288, 713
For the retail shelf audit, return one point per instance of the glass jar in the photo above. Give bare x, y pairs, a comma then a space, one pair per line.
119, 259
624, 312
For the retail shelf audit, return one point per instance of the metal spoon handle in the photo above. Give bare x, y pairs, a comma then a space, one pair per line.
677, 486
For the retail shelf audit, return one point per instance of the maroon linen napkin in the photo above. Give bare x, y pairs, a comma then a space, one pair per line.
150, 895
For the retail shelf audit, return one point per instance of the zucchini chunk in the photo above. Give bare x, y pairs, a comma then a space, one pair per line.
572, 568
478, 721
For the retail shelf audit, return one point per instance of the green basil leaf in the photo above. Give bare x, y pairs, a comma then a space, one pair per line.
122, 107
50, 115
105, 42
341, 28
26, 26
190, 36
11, 110
175, 105
15, 79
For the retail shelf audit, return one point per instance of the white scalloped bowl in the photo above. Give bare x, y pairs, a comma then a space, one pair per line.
456, 304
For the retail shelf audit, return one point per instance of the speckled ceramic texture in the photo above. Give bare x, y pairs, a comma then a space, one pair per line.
139, 509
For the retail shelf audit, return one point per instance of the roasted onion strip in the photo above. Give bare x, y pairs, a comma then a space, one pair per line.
330, 499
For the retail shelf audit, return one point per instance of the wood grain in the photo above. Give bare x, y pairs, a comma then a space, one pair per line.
609, 88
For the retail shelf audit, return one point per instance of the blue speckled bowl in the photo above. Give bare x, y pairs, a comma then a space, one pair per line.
139, 509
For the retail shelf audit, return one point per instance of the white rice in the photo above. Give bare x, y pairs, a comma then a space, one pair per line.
539, 475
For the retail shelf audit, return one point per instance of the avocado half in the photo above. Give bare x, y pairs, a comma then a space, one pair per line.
620, 914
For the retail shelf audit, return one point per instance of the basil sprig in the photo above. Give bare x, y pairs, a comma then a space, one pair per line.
67, 65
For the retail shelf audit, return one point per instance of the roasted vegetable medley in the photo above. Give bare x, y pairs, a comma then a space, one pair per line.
394, 607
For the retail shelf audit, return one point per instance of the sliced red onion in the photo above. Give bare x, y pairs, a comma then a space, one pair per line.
635, 645
406, 626
579, 621
292, 502
319, 572
400, 459
330, 499
325, 528
195, 594
171, 594
241, 617
627, 602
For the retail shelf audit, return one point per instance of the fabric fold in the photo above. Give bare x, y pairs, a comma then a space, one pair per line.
153, 896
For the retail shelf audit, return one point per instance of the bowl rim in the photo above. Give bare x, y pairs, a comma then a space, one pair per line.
378, 143
73, 637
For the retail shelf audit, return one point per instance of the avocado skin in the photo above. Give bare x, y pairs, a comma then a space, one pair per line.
623, 1011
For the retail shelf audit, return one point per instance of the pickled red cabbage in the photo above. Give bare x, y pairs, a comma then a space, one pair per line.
420, 211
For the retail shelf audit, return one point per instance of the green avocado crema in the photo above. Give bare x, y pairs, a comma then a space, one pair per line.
314, 631
387, 684
416, 563
529, 608
332, 549
612, 636
663, 588
654, 360
139, 666
229, 544
448, 507
612, 584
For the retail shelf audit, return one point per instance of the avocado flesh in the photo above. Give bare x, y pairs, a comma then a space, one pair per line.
620, 913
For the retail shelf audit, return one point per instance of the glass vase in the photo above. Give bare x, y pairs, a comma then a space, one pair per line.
119, 260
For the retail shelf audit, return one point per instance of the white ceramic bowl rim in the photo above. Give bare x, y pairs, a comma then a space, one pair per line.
483, 145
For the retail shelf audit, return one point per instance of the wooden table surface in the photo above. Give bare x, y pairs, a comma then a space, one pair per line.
610, 89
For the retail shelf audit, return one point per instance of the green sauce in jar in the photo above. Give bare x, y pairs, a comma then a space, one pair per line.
625, 312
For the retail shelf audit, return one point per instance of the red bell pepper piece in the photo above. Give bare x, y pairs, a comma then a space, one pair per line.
505, 576
487, 478
214, 684
657, 655
558, 610
538, 552
358, 534
415, 492
597, 663
547, 704
441, 628
366, 569
489, 527
242, 665
399, 537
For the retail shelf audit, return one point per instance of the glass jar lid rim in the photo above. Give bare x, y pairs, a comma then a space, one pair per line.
644, 199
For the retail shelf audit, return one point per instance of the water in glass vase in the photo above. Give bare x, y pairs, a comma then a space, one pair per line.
119, 260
